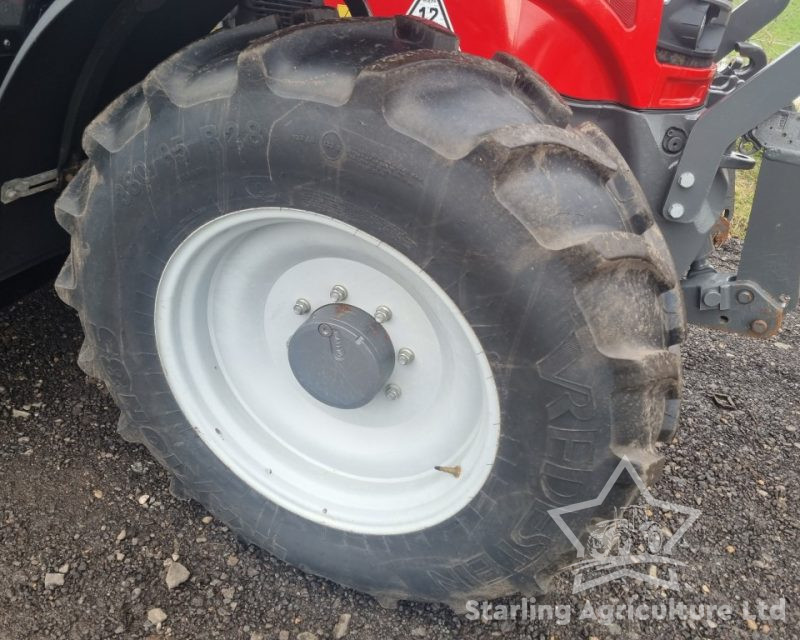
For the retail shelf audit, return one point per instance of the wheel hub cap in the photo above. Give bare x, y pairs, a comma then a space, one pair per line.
342, 356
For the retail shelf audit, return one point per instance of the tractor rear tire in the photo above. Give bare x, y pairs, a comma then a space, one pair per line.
467, 171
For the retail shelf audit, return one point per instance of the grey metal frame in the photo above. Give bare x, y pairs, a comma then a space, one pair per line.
686, 162
747, 106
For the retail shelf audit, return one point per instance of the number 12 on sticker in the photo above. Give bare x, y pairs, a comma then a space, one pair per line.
433, 10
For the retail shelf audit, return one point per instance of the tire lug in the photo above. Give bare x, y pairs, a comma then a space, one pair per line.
338, 293
301, 307
383, 314
405, 356
392, 392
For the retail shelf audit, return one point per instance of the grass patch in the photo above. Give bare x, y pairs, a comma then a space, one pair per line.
776, 38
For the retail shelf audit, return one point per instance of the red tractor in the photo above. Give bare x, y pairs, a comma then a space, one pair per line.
383, 282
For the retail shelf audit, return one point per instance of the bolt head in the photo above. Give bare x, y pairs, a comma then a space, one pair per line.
759, 326
676, 210
301, 307
405, 356
392, 392
686, 179
712, 298
338, 293
383, 314
745, 296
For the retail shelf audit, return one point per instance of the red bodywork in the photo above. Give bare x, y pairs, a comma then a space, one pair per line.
594, 50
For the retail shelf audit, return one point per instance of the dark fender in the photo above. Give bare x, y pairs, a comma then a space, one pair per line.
79, 56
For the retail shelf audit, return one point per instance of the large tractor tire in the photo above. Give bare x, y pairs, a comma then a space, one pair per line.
503, 331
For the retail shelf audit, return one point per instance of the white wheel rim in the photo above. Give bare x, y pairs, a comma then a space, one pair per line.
223, 317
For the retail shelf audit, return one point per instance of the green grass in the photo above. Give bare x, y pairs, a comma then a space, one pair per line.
775, 39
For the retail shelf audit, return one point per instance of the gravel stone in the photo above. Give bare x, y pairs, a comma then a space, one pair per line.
156, 616
177, 574
54, 580
342, 627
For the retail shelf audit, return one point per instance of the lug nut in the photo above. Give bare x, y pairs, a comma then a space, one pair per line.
405, 356
301, 307
392, 392
338, 293
745, 296
759, 326
383, 314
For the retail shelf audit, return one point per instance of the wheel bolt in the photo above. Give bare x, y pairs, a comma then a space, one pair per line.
392, 391
338, 293
405, 356
383, 314
301, 307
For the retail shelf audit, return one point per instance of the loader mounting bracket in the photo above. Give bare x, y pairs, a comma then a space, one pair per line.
753, 300
719, 300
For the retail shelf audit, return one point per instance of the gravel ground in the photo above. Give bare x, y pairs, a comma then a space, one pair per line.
95, 512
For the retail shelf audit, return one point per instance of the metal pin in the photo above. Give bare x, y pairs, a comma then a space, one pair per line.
453, 471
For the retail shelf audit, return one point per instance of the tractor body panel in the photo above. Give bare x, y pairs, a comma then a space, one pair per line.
591, 50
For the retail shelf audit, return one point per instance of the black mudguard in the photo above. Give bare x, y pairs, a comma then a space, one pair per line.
79, 56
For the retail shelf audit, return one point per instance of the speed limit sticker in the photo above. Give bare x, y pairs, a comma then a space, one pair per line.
433, 10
